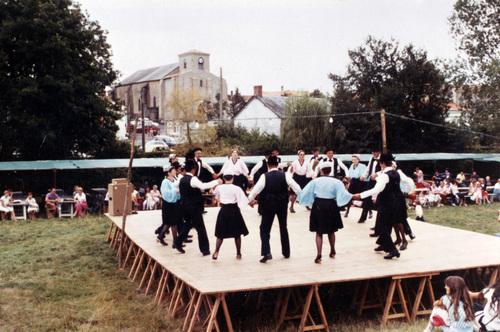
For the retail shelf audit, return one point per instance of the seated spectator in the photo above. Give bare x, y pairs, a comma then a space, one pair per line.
488, 319
496, 191
487, 182
80, 203
51, 202
136, 200
476, 192
474, 176
437, 178
6, 208
461, 178
454, 309
447, 174
419, 176
454, 195
148, 203
33, 207
153, 199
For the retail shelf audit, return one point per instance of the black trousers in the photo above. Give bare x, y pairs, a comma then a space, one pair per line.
384, 236
164, 227
193, 217
268, 214
367, 202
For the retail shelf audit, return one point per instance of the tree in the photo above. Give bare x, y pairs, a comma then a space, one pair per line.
189, 108
401, 80
54, 67
237, 103
476, 75
305, 123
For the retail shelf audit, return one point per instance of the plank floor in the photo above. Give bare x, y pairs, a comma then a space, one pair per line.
435, 249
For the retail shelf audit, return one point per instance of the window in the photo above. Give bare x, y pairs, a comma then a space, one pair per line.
185, 64
200, 65
201, 83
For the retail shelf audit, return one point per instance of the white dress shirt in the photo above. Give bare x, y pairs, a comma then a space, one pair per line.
237, 167
196, 183
259, 186
205, 166
367, 173
383, 179
340, 164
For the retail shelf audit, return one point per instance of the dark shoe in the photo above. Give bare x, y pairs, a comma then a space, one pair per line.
292, 210
397, 242
308, 208
286, 256
204, 211
206, 253
332, 254
238, 256
157, 231
391, 255
266, 258
379, 248
403, 246
187, 241
162, 241
179, 249
372, 228
215, 255
360, 221
412, 236
175, 246
373, 235
317, 260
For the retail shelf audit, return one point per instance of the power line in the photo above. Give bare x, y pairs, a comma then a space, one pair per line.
313, 116
441, 126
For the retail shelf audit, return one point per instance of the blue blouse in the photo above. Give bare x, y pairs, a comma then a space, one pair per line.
324, 187
169, 191
356, 173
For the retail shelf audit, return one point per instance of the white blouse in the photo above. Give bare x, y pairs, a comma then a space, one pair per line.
297, 168
237, 167
230, 194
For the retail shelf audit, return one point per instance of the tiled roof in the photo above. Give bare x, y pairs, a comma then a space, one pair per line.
150, 74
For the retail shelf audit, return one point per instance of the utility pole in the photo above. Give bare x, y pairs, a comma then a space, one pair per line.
384, 134
220, 96
143, 133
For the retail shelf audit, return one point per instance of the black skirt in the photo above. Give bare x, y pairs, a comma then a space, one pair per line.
393, 211
173, 214
325, 216
356, 186
230, 222
241, 181
301, 180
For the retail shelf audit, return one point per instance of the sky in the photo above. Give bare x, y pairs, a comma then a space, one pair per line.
273, 43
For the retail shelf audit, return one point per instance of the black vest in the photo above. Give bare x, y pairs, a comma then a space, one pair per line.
337, 171
191, 197
275, 191
392, 192
260, 171
370, 166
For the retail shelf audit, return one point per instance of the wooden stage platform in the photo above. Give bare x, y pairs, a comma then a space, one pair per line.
196, 286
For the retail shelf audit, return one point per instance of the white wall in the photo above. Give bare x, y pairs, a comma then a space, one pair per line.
257, 116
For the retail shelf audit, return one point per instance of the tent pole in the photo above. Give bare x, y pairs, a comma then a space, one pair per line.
54, 180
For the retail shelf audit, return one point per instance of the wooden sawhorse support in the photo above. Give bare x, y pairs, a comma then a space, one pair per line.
202, 310
396, 285
419, 308
304, 313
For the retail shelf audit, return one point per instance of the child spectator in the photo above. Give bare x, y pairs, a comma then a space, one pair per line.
80, 203
33, 207
6, 207
457, 305
488, 319
51, 202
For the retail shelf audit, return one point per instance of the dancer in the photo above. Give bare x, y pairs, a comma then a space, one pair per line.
313, 163
390, 201
196, 152
326, 194
273, 201
171, 209
356, 170
190, 188
298, 169
403, 228
369, 176
230, 223
238, 168
339, 170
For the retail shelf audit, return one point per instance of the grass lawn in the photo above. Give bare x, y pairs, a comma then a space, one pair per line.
60, 275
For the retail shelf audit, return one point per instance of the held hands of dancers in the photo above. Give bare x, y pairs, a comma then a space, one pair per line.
252, 203
356, 197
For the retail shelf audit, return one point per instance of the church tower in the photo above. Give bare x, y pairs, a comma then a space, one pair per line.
194, 61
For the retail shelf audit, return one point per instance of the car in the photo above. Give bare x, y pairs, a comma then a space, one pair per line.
171, 141
149, 126
156, 145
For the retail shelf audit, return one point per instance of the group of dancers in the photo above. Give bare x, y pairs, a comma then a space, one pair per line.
323, 184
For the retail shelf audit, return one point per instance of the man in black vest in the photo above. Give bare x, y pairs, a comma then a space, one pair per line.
191, 189
369, 181
272, 189
339, 169
390, 203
